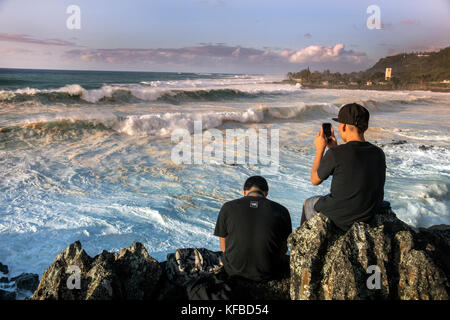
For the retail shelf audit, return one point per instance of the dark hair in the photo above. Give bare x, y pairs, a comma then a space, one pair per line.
361, 129
256, 181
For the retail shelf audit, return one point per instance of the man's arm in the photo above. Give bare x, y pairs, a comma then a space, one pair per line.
315, 180
284, 248
287, 232
221, 227
321, 142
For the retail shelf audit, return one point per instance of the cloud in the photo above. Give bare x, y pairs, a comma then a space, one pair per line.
14, 51
23, 38
410, 22
387, 26
23, 51
220, 54
324, 54
426, 48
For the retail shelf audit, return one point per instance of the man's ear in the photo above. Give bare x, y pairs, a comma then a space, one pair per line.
245, 192
265, 193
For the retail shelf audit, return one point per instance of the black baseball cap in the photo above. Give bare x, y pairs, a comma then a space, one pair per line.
354, 114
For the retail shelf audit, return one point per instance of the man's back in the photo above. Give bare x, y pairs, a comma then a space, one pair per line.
357, 188
255, 229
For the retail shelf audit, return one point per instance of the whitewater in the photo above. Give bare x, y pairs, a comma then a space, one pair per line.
87, 156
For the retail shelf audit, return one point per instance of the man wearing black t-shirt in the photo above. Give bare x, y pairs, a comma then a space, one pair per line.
358, 169
253, 233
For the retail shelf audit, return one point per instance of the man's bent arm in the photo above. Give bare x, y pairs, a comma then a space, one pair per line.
284, 248
222, 244
315, 180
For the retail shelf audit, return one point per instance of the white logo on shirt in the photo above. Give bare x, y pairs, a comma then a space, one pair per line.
253, 204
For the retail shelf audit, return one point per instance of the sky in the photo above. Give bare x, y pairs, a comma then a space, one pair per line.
226, 36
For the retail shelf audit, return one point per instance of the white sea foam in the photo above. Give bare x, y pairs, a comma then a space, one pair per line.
152, 90
163, 124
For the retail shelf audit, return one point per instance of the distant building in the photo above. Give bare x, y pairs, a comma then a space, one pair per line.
388, 73
369, 83
445, 81
325, 83
298, 80
422, 55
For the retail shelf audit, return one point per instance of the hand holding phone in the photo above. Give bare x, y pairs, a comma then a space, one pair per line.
327, 130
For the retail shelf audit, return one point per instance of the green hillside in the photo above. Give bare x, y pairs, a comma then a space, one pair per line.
421, 66
418, 70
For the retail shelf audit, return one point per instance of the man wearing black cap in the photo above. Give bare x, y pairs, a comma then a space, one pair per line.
358, 169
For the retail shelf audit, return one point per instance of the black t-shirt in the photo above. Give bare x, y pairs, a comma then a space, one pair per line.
357, 188
255, 229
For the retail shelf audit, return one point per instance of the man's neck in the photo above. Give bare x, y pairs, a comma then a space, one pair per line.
255, 193
357, 138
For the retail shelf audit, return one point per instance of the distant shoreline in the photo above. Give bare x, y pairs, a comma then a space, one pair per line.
365, 87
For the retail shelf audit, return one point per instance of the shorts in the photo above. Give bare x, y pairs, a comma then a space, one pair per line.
308, 207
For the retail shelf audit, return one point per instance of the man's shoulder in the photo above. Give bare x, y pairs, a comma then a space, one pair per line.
245, 200
279, 205
350, 145
234, 202
376, 149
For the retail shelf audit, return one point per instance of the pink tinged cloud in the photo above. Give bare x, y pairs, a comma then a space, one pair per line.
221, 53
319, 53
410, 22
23, 38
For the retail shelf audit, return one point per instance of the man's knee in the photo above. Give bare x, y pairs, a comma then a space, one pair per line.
308, 207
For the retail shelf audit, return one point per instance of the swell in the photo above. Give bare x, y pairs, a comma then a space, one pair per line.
61, 129
131, 94
160, 124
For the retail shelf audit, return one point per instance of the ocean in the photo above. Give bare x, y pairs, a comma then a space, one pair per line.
87, 155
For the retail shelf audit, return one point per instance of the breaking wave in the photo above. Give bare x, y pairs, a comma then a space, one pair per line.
163, 123
75, 93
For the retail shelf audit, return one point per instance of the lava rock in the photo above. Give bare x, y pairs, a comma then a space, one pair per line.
327, 263
26, 281
7, 295
424, 147
4, 268
397, 142
132, 274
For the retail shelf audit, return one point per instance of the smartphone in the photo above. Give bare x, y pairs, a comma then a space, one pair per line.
327, 130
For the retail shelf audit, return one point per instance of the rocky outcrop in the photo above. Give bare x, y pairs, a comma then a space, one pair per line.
132, 274
18, 287
382, 259
3, 268
74, 275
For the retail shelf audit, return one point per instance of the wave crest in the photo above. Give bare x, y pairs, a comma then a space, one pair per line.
138, 92
162, 124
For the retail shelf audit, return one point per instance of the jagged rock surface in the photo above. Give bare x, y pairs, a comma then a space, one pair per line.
18, 287
327, 263
132, 274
